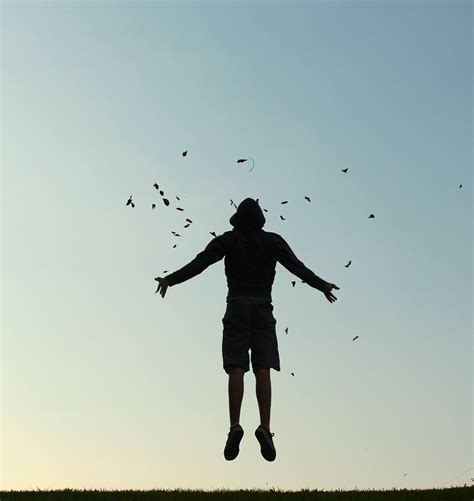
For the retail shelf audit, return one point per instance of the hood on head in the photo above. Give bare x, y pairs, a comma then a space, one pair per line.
248, 216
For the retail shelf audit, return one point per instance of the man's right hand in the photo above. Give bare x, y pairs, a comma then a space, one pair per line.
326, 290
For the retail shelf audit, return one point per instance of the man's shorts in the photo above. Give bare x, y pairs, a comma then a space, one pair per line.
249, 324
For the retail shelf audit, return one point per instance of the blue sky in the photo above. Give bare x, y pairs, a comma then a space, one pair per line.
107, 385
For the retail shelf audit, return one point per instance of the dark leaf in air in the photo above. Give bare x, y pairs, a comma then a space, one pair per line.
162, 192
353, 339
292, 373
460, 186
371, 216
282, 218
186, 225
344, 170
153, 206
213, 233
177, 197
293, 283
156, 186
307, 198
166, 271
174, 246
166, 201
188, 220
129, 201
348, 264
179, 208
286, 330
265, 210
285, 202
133, 205
185, 153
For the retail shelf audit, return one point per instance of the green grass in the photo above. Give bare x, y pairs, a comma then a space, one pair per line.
449, 494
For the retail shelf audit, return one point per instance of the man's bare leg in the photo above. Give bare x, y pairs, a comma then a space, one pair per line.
264, 395
236, 393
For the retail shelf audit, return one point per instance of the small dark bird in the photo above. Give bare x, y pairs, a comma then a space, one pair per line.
177, 197
353, 339
188, 220
166, 201
162, 192
174, 246
213, 233
156, 186
460, 186
286, 330
348, 264
153, 206
282, 218
185, 153
307, 198
371, 216
129, 201
293, 283
292, 373
242, 160
265, 210
285, 202
344, 170
179, 208
186, 225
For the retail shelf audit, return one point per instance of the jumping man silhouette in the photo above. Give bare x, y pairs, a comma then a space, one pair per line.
251, 254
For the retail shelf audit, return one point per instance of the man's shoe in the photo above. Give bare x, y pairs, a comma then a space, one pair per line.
235, 435
264, 436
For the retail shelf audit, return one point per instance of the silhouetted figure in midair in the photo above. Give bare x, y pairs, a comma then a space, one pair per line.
129, 202
250, 257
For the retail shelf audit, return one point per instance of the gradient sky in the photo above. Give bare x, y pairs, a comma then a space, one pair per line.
107, 385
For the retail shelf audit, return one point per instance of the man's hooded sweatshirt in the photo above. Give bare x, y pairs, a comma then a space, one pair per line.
251, 254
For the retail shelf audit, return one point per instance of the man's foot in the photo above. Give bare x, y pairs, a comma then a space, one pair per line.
264, 436
235, 435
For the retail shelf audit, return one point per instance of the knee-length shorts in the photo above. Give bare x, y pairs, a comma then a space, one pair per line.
249, 325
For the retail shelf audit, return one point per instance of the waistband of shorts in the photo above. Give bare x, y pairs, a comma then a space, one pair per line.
248, 299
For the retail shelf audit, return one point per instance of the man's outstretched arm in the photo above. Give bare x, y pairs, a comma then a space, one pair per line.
214, 251
287, 258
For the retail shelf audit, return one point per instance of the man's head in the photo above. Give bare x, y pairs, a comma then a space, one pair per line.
249, 216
